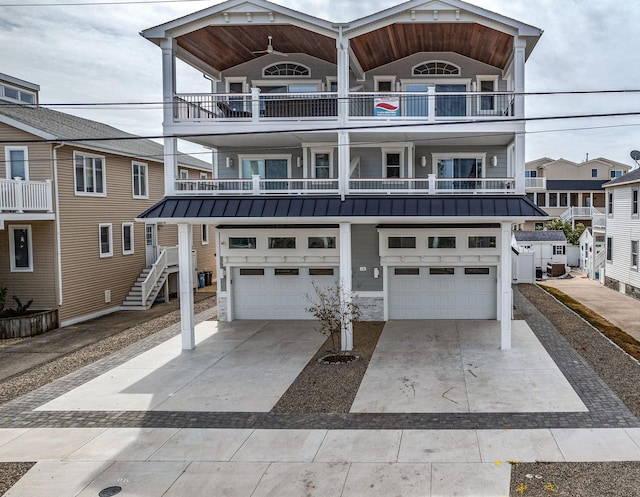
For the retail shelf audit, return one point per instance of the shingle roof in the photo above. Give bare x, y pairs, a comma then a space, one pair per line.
540, 236
625, 178
65, 127
511, 206
575, 184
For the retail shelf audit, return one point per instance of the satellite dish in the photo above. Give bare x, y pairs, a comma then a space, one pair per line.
635, 155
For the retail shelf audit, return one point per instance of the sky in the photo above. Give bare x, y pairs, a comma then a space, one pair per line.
94, 54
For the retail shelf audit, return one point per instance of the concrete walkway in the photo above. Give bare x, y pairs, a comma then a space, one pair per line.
617, 308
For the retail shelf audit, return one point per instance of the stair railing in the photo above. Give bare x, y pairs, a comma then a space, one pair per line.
154, 275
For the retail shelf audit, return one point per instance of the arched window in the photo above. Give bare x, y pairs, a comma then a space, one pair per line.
436, 68
280, 69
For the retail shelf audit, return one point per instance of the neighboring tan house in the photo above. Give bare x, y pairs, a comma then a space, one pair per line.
569, 190
549, 247
385, 155
623, 234
68, 237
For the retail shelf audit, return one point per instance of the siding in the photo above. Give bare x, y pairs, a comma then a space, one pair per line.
39, 154
39, 285
622, 228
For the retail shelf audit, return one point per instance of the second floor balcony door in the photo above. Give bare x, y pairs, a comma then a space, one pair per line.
451, 105
267, 169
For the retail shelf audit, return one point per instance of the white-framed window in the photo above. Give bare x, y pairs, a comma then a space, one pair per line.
205, 234
538, 226
616, 173
105, 235
139, 174
322, 163
610, 204
287, 85
634, 254
392, 160
384, 83
16, 162
127, 238
90, 174
203, 176
594, 173
17, 94
609, 249
286, 69
459, 165
20, 248
489, 85
265, 166
184, 173
530, 173
436, 68
559, 249
634, 202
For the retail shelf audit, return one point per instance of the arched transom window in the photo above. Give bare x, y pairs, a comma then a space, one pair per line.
286, 69
436, 68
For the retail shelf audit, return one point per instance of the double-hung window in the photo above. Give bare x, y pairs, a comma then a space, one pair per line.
140, 180
609, 249
610, 204
89, 174
20, 249
127, 238
634, 202
634, 254
17, 162
205, 234
106, 239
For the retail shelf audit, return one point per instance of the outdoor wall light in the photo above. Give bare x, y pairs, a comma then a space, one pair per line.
229, 161
423, 161
299, 161
494, 160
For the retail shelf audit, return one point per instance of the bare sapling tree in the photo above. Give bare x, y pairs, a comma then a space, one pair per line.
335, 309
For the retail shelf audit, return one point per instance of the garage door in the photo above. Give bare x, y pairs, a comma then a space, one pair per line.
277, 293
442, 293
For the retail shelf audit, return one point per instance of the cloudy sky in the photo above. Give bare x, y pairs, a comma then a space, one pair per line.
94, 54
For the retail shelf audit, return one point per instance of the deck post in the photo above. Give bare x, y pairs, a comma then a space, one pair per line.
505, 285
345, 281
185, 242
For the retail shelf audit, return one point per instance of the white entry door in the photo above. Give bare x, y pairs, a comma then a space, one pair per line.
151, 242
442, 293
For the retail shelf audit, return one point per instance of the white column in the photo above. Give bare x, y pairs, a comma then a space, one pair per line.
185, 242
342, 46
518, 75
519, 162
345, 279
505, 285
343, 162
168, 47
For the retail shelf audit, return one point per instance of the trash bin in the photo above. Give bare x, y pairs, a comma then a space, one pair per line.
208, 278
200, 280
538, 273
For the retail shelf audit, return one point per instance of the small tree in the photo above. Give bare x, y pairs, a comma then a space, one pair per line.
335, 309
573, 234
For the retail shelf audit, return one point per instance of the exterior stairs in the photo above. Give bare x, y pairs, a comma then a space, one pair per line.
133, 300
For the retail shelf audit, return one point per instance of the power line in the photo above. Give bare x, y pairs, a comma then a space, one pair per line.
86, 4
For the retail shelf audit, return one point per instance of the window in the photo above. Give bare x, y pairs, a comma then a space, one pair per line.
482, 242
436, 68
17, 163
448, 271
252, 272
634, 254
203, 176
89, 174
610, 203
286, 271
406, 271
634, 202
320, 271
553, 200
541, 199
265, 167
127, 238
322, 165
559, 249
442, 242
384, 84
17, 94
282, 242
106, 240
140, 181
489, 85
205, 234
538, 226
459, 166
530, 174
476, 270
391, 165
242, 242
286, 69
616, 173
402, 242
564, 200
20, 249
609, 249
321, 242
184, 174
594, 173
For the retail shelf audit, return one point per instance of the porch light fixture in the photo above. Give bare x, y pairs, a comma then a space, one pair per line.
494, 160
299, 161
229, 161
423, 161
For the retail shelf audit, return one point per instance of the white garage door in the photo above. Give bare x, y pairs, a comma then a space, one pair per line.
277, 293
442, 293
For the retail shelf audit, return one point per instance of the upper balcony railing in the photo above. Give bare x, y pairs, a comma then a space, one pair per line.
419, 106
387, 186
535, 183
21, 196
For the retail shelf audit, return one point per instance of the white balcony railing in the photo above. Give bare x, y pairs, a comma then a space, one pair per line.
535, 183
581, 213
420, 106
428, 186
21, 196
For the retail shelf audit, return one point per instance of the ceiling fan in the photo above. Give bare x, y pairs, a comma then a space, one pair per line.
270, 49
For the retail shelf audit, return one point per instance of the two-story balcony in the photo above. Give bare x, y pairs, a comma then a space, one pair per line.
425, 106
21, 199
386, 186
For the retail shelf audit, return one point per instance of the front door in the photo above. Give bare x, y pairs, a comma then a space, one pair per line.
151, 242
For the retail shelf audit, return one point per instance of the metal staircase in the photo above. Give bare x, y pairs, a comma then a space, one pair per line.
151, 280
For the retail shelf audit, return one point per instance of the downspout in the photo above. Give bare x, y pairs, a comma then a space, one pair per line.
57, 201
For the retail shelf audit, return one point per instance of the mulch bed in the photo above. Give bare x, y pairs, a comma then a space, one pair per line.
331, 387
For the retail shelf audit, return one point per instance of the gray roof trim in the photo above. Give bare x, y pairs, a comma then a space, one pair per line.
312, 209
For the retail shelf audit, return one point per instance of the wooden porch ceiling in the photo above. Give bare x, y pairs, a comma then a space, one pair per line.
224, 47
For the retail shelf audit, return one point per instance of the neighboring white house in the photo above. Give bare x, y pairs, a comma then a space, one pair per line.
592, 252
397, 172
623, 234
549, 247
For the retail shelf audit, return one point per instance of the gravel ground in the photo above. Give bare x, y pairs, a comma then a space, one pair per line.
11, 472
618, 370
331, 387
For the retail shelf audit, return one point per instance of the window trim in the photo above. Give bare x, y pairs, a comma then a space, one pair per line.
263, 157
7, 158
424, 63
634, 267
140, 165
12, 251
392, 151
183, 174
321, 151
110, 253
479, 80
635, 202
204, 176
20, 91
85, 156
610, 204
609, 249
204, 234
377, 79
594, 172
132, 237
297, 76
435, 157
